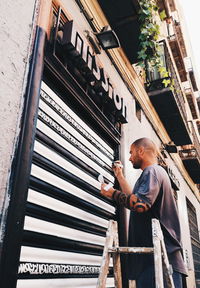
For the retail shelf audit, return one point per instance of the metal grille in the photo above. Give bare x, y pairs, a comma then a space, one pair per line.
154, 75
195, 240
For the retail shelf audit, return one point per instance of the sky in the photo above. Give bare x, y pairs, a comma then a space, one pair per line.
191, 11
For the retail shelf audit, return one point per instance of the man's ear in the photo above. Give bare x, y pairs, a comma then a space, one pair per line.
141, 151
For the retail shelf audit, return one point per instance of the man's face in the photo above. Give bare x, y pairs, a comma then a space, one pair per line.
135, 158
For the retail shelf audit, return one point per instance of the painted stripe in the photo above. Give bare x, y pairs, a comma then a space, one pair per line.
37, 225
55, 256
59, 206
66, 197
72, 126
82, 129
56, 158
52, 216
54, 125
74, 132
37, 239
75, 116
40, 255
68, 146
68, 155
62, 184
63, 283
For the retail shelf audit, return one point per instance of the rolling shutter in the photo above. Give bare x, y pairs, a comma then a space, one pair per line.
66, 217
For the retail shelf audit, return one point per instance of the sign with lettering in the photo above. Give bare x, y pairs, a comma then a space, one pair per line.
78, 47
32, 268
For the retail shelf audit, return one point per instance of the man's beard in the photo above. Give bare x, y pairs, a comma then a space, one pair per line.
136, 164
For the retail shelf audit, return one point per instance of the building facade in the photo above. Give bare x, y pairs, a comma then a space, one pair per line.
71, 108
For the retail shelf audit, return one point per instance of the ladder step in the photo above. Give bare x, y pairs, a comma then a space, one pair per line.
131, 250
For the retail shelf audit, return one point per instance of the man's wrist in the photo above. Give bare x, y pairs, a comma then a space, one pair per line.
115, 194
120, 177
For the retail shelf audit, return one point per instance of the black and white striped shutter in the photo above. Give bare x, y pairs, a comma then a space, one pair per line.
66, 217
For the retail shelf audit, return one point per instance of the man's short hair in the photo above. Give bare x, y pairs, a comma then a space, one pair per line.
146, 143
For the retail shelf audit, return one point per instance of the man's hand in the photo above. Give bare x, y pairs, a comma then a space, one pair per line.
108, 193
117, 169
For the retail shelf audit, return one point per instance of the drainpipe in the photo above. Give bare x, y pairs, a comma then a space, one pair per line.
21, 165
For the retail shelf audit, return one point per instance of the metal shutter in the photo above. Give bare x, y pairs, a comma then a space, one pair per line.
66, 217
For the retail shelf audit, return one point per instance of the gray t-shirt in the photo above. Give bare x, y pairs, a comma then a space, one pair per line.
154, 188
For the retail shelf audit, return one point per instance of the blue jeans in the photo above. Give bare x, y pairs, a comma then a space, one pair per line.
147, 279
177, 277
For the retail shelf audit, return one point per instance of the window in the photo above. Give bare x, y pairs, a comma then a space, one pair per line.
194, 233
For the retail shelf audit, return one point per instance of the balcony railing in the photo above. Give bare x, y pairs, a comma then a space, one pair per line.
194, 150
191, 157
169, 101
177, 87
179, 36
178, 57
192, 102
196, 141
187, 154
154, 75
177, 45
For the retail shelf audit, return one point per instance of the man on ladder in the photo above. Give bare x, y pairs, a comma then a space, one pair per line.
152, 197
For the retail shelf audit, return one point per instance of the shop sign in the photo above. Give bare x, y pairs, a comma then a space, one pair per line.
175, 182
78, 47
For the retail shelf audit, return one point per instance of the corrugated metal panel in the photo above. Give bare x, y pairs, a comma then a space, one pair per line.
66, 217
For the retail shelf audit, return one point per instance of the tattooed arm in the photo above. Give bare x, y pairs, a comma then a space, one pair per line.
130, 201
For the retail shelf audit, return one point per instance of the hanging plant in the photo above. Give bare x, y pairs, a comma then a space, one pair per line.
149, 50
149, 32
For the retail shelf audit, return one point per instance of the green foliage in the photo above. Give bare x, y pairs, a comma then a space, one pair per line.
149, 31
163, 15
166, 82
149, 50
163, 72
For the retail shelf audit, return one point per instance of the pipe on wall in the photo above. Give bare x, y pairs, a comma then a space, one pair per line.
20, 170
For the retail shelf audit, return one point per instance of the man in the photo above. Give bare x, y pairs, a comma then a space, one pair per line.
152, 197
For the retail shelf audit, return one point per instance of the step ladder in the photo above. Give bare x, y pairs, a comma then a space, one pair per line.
111, 248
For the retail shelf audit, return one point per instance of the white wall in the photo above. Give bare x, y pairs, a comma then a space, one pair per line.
184, 193
15, 32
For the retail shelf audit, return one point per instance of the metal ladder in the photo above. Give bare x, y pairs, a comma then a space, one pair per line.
161, 263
